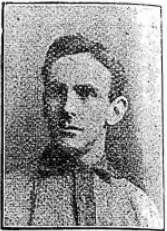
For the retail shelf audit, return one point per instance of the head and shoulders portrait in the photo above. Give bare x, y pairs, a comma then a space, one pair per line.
78, 117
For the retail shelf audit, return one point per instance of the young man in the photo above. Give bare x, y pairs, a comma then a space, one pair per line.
72, 183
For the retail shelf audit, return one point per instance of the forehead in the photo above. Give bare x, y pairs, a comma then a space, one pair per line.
80, 69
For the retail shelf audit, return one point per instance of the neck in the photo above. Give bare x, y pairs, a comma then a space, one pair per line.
56, 156
95, 152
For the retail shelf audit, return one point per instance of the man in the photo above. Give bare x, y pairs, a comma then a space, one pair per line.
73, 183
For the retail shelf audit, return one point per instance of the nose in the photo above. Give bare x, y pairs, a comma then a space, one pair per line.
71, 105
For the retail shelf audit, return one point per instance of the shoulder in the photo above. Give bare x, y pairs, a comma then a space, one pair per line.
144, 207
15, 180
17, 189
16, 186
22, 184
130, 203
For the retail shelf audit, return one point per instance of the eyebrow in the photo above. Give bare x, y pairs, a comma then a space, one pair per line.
54, 87
55, 82
76, 87
90, 86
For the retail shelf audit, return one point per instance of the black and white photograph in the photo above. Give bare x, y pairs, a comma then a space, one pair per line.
82, 103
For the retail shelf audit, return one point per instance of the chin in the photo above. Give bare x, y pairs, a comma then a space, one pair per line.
72, 143
82, 145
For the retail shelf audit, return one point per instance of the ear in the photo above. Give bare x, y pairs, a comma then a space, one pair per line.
116, 110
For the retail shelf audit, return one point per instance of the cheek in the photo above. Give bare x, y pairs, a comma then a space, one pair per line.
52, 108
95, 112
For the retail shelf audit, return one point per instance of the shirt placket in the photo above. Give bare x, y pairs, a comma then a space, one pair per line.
85, 198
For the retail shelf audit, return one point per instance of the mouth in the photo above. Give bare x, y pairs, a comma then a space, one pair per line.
70, 131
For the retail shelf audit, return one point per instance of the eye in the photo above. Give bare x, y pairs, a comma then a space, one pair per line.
56, 90
84, 91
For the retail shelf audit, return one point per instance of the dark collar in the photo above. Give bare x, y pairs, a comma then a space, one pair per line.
56, 161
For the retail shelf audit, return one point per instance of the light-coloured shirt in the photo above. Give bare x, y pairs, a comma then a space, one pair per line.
64, 201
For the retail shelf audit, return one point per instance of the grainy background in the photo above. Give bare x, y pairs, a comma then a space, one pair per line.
132, 33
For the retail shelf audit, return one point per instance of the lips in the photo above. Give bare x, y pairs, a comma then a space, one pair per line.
72, 128
70, 131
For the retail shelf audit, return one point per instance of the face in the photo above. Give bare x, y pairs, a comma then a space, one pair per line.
77, 100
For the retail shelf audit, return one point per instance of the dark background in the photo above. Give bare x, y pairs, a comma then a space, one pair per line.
132, 33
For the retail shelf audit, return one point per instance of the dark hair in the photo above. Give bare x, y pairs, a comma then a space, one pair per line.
74, 44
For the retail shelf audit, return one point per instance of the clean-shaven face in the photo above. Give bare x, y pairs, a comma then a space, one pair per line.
77, 100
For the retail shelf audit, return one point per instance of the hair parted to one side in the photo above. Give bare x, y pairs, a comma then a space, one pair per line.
74, 44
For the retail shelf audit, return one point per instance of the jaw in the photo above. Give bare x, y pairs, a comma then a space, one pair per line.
85, 150
89, 154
